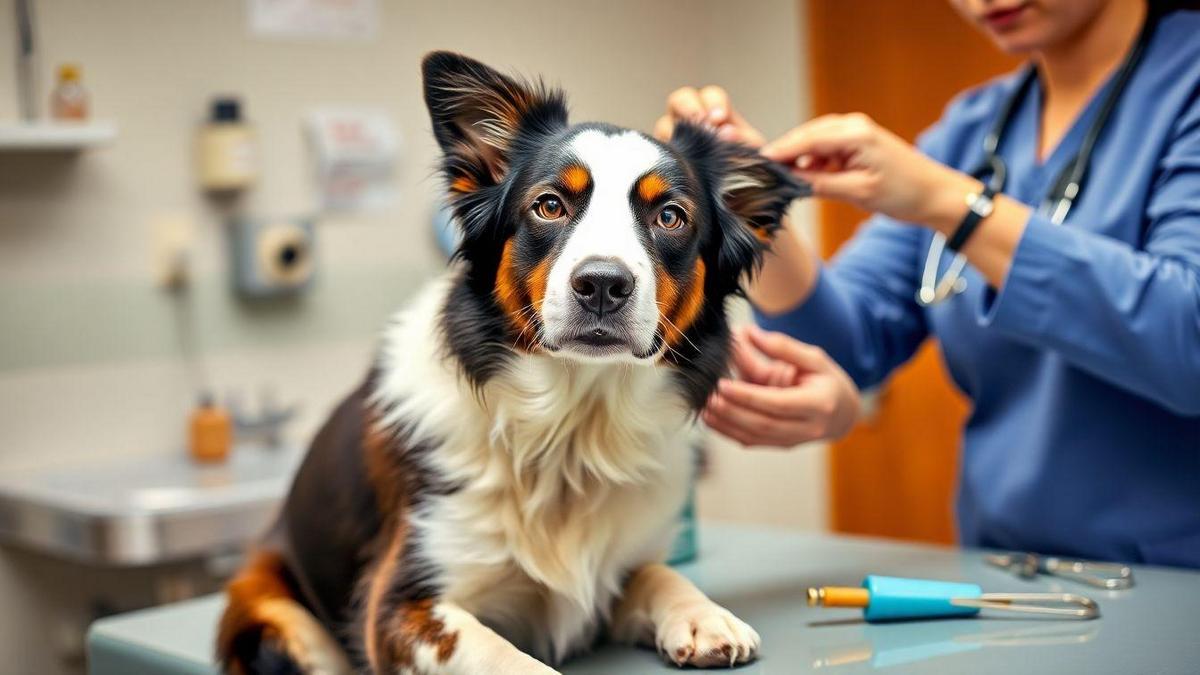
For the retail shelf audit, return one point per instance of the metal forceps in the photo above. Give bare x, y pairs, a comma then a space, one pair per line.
1113, 576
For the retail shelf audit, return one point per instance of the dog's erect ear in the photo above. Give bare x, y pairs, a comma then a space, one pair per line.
480, 116
752, 194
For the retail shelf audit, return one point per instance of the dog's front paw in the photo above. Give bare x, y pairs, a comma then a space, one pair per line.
706, 635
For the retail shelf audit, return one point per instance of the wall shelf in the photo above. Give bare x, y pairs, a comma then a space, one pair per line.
54, 136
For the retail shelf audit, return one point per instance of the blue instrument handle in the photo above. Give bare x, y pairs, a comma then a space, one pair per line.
895, 598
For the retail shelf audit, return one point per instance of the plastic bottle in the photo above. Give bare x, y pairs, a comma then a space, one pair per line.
69, 100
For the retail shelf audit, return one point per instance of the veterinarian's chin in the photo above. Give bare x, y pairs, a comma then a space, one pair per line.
604, 314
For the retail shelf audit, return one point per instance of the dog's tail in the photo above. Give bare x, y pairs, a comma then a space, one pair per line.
265, 628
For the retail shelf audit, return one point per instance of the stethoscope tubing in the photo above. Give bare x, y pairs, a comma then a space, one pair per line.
1067, 187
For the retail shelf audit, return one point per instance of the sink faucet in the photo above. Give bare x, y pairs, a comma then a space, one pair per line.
267, 425
27, 89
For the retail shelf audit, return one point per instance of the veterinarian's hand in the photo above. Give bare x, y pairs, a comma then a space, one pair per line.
786, 393
853, 159
709, 106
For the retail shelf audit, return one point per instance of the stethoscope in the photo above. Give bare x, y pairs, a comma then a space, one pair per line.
993, 170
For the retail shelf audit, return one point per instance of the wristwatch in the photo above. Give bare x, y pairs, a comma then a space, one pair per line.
979, 206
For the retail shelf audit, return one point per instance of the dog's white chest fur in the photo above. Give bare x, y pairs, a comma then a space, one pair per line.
568, 476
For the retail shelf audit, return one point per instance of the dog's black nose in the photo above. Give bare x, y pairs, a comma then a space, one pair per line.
602, 285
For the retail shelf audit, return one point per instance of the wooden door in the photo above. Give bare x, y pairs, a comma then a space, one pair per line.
899, 62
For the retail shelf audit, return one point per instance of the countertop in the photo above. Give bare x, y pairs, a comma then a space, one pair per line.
762, 574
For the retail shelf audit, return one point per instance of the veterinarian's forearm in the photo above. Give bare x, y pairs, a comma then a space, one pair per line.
788, 274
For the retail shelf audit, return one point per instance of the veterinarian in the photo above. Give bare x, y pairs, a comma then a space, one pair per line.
1072, 320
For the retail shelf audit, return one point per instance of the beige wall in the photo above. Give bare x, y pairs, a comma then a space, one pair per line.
755, 51
91, 355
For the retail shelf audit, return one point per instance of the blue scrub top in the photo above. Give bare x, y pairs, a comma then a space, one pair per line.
1084, 369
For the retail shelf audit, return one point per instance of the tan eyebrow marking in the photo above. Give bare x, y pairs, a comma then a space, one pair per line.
651, 186
575, 178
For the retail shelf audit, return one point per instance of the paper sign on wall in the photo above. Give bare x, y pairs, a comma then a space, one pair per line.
355, 151
314, 19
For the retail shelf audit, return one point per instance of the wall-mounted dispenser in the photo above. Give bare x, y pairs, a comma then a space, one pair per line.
272, 257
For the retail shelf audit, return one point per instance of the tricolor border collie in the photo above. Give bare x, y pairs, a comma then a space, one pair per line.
501, 490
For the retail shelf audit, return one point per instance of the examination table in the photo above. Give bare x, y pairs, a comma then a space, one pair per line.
762, 576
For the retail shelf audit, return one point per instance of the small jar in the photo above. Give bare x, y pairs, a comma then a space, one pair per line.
227, 154
69, 100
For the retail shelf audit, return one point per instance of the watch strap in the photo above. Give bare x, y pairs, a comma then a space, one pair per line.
979, 206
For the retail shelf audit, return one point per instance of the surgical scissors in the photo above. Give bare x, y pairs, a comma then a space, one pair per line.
1113, 576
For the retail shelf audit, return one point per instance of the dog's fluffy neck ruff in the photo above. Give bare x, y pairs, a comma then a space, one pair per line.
585, 425
539, 456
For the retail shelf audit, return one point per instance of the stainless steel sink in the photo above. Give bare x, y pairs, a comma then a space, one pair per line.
145, 510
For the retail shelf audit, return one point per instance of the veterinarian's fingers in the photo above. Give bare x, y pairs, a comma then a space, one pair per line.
819, 163
785, 436
748, 134
843, 136
784, 149
752, 424
735, 133
685, 104
717, 424
726, 427
852, 186
749, 363
779, 346
765, 370
729, 132
784, 375
753, 367
663, 128
716, 105
778, 403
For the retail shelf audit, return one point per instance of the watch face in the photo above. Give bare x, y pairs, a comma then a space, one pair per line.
982, 205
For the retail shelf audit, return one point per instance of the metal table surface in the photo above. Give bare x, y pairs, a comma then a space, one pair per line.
762, 575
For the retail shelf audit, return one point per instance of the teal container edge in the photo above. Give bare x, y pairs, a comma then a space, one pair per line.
895, 599
685, 546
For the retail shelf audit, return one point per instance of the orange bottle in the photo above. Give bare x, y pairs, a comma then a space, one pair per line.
211, 432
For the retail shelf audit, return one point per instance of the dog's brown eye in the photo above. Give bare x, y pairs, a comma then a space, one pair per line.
670, 218
549, 207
